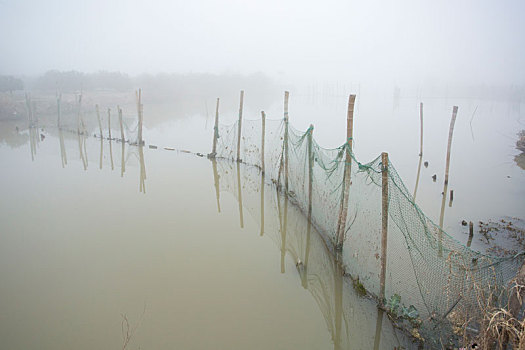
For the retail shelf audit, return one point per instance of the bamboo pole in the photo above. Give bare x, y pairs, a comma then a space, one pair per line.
215, 132
109, 123
140, 116
421, 137
310, 187
384, 223
451, 130
347, 174
263, 118
99, 122
59, 97
286, 122
121, 125
239, 129
445, 185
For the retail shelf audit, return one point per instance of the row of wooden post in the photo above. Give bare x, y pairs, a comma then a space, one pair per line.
343, 208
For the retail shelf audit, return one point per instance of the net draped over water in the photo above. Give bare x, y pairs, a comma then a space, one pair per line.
426, 267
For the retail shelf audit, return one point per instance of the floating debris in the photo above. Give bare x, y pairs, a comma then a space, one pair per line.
425, 164
200, 154
184, 151
152, 147
169, 149
434, 177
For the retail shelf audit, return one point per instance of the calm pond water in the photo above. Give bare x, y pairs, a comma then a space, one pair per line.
92, 235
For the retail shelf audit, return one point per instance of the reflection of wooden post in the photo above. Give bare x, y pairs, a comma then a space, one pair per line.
101, 152
240, 194
215, 132
123, 161
240, 128
338, 304
384, 223
347, 174
121, 126
99, 122
417, 178
263, 118
379, 328
216, 182
262, 203
286, 96
142, 184
309, 223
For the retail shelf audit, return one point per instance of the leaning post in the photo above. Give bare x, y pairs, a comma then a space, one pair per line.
347, 174
384, 223
121, 125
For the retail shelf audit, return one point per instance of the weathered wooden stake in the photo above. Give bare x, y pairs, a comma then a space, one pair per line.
286, 153
59, 97
421, 137
109, 123
470, 233
343, 211
140, 108
215, 132
121, 126
451, 130
99, 122
384, 223
263, 118
240, 127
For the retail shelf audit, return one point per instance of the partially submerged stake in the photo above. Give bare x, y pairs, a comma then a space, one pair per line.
445, 186
240, 128
347, 174
384, 223
451, 130
470, 233
215, 132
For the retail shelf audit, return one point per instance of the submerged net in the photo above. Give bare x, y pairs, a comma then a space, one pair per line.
430, 272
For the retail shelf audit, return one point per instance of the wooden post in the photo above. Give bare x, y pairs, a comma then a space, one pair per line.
59, 97
470, 233
109, 123
240, 127
286, 153
451, 130
140, 109
384, 223
421, 137
263, 118
121, 126
343, 211
215, 132
99, 122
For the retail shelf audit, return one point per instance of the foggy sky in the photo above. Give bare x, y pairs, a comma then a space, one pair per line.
475, 41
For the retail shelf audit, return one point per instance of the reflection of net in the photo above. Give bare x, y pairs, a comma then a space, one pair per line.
425, 266
319, 273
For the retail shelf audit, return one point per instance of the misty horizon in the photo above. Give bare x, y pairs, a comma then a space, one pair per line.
472, 42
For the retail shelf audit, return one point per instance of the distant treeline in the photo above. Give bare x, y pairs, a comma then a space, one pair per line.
9, 83
188, 84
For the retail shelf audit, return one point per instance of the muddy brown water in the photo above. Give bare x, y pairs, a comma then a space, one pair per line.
86, 244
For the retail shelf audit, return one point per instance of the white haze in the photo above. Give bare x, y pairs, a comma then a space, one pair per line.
466, 41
